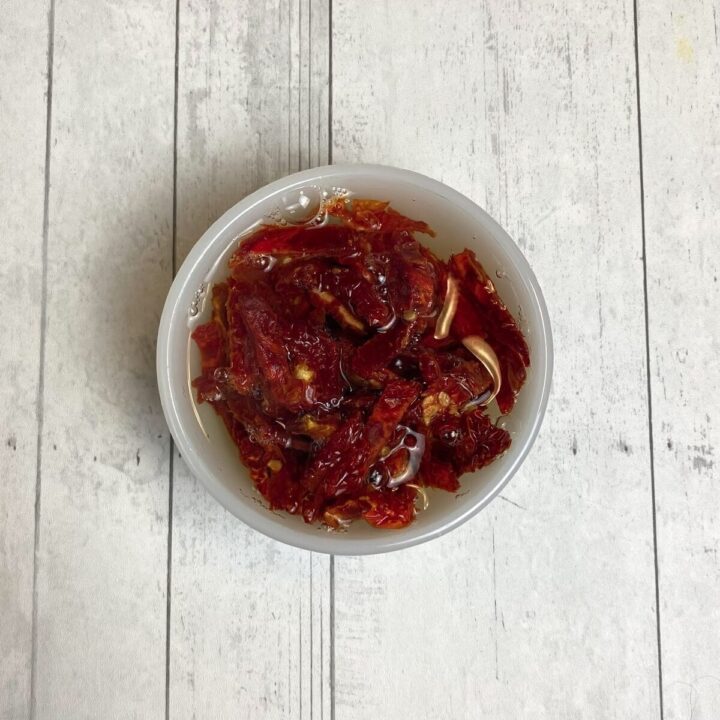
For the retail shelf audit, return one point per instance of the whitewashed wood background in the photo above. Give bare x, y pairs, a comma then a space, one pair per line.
590, 130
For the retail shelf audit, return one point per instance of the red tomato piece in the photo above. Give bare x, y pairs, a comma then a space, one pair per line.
271, 242
438, 474
480, 442
480, 311
412, 283
390, 509
371, 360
389, 410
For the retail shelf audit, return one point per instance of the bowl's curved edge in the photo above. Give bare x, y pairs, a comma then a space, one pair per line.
167, 392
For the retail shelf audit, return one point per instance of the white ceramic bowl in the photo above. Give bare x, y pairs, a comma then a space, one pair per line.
200, 435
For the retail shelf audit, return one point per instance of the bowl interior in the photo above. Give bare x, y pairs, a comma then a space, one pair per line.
458, 223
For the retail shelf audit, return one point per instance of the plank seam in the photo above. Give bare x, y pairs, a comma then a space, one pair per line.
330, 83
289, 90
41, 369
332, 637
647, 361
299, 87
171, 464
312, 633
311, 160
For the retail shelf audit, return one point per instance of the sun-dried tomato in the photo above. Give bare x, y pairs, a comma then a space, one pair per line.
321, 360
482, 312
390, 509
479, 443
438, 473
389, 410
210, 341
371, 361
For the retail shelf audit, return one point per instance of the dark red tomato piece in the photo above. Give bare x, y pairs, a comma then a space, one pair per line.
210, 339
211, 342
315, 427
390, 509
253, 455
360, 296
305, 274
438, 474
470, 321
273, 242
375, 215
482, 312
514, 374
429, 365
267, 333
297, 282
360, 401
500, 323
220, 293
315, 359
266, 241
339, 311
471, 374
389, 410
449, 394
372, 359
263, 429
439, 267
242, 373
207, 389
412, 282
279, 482
338, 515
274, 470
479, 442
340, 466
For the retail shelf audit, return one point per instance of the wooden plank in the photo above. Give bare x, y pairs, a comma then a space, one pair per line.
249, 617
102, 557
23, 84
543, 606
679, 59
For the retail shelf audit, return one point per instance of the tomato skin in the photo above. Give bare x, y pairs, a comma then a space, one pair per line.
482, 312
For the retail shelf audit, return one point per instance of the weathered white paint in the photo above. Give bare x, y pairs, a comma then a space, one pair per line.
23, 84
250, 632
105, 449
543, 606
679, 56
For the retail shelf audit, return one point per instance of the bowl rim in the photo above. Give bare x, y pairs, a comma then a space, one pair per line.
173, 313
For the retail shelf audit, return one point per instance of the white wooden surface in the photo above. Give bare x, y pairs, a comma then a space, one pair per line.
22, 181
128, 592
679, 56
103, 525
544, 605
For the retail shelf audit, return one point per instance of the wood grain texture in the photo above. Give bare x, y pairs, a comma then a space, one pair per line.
250, 633
679, 59
23, 84
544, 605
105, 449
